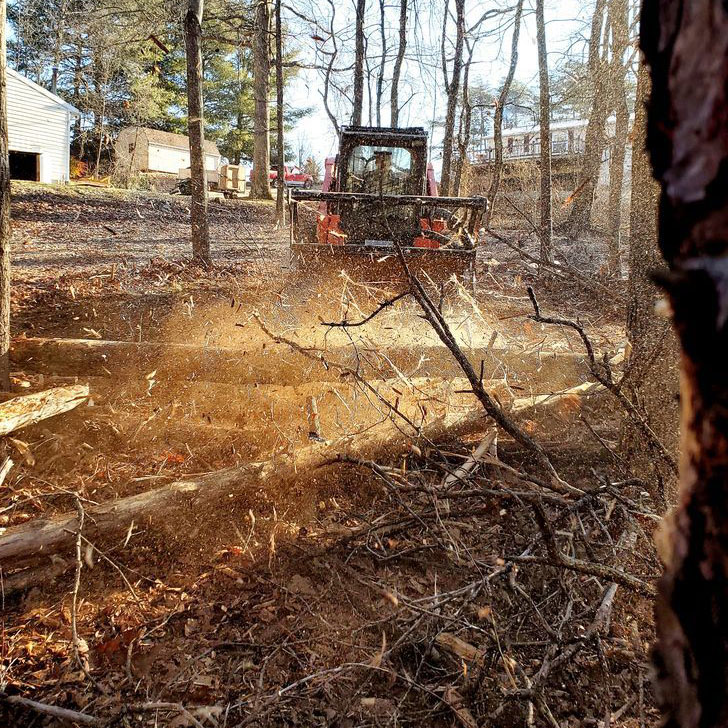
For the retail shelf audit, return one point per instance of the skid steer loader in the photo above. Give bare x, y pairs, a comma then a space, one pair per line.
379, 195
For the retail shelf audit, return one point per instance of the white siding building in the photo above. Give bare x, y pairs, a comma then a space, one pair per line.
39, 131
139, 149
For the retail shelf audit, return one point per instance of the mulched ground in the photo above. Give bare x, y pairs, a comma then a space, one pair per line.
328, 610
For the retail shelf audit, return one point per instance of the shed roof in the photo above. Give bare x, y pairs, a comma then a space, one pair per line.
43, 91
176, 141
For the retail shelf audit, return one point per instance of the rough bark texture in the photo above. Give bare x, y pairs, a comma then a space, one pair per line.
580, 214
498, 118
281, 176
686, 46
653, 380
196, 127
260, 182
397, 72
453, 92
359, 64
4, 213
546, 227
620, 34
22, 411
466, 112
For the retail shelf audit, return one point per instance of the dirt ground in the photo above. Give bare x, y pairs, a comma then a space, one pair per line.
322, 601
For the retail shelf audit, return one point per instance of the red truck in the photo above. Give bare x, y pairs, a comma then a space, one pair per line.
294, 177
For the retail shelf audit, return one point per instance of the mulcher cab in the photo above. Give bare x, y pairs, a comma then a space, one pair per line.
378, 193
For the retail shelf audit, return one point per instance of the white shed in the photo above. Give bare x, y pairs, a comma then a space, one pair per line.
39, 131
139, 149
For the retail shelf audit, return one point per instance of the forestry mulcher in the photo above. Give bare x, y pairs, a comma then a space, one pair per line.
379, 195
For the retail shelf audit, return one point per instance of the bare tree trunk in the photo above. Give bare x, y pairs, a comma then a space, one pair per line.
397, 72
546, 227
466, 112
580, 214
453, 92
498, 118
281, 177
102, 117
329, 68
196, 131
380, 76
58, 51
367, 63
653, 363
359, 64
78, 136
620, 35
686, 46
4, 211
260, 183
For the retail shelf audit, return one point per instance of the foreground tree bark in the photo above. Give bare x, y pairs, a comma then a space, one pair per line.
4, 211
686, 47
546, 227
196, 130
260, 183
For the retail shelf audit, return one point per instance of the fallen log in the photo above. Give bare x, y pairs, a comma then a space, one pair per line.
277, 363
43, 537
31, 408
23, 544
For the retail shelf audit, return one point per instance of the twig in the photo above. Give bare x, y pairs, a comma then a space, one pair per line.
74, 599
72, 716
564, 270
176, 707
557, 558
603, 375
379, 309
495, 411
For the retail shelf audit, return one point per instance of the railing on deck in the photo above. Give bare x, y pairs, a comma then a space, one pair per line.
519, 150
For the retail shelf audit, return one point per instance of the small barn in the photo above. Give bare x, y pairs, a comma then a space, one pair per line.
39, 131
139, 149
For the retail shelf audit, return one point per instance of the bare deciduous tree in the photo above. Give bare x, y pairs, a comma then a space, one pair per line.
452, 87
4, 213
498, 117
260, 183
196, 127
359, 64
546, 227
281, 177
619, 12
397, 71
583, 197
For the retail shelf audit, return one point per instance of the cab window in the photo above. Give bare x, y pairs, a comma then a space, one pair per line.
380, 169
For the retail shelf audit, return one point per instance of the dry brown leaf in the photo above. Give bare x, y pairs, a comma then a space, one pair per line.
24, 449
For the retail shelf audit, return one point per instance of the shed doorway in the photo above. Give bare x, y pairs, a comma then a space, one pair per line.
25, 166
